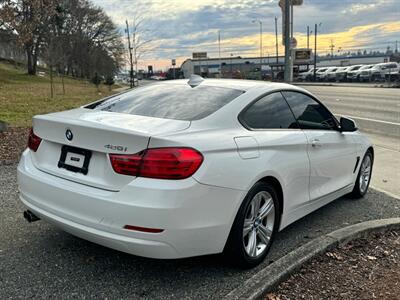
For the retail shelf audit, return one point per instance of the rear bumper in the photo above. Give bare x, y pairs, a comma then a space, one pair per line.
196, 218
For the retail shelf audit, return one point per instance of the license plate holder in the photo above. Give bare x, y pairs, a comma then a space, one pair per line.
75, 159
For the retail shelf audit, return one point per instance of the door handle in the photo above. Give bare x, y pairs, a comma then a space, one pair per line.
315, 143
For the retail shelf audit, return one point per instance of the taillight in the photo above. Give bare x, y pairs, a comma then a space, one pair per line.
161, 163
126, 164
33, 141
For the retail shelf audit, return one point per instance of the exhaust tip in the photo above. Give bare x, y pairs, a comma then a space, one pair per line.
30, 216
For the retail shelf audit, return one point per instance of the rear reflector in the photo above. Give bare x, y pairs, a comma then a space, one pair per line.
143, 229
33, 141
161, 163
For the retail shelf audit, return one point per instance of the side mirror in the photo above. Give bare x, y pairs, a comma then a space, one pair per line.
347, 125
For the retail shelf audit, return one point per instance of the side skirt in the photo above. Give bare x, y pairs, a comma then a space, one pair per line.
313, 205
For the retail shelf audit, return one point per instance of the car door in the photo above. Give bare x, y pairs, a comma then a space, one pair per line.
282, 147
332, 153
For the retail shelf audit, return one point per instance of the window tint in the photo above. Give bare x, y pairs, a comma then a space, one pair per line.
270, 112
180, 102
308, 112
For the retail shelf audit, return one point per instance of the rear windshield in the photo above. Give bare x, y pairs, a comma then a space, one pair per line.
179, 102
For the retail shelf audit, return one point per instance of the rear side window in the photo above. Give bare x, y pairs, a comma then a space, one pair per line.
270, 112
179, 102
309, 113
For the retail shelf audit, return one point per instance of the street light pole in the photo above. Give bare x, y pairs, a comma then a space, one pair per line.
308, 37
219, 53
131, 81
276, 39
315, 53
287, 42
261, 52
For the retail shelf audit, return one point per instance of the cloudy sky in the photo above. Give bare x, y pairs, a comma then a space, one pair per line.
179, 27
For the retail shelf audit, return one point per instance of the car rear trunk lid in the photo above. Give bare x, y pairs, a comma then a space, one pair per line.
81, 136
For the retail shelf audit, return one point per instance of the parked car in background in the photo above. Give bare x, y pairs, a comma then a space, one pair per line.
379, 71
393, 76
322, 73
306, 75
364, 73
350, 72
331, 74
341, 73
354, 74
319, 73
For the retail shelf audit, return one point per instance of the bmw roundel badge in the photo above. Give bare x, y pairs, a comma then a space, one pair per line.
69, 135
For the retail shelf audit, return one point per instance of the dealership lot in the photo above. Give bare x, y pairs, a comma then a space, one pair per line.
39, 260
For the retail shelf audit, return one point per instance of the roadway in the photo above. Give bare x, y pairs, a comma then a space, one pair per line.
377, 113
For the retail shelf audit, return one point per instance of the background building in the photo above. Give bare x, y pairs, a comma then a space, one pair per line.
249, 67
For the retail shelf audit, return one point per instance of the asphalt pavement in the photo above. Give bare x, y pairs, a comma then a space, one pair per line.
38, 260
377, 113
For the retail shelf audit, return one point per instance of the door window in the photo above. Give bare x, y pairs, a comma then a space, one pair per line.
270, 112
309, 113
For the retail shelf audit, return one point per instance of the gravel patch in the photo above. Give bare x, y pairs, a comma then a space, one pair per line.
13, 141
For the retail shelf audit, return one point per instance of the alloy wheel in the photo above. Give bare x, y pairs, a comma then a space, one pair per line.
258, 224
365, 173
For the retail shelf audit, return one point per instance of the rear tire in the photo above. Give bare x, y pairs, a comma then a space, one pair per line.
254, 227
364, 176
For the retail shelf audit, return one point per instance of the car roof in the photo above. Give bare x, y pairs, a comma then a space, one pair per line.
386, 63
241, 84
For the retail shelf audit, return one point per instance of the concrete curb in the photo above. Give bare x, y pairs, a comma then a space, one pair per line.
268, 278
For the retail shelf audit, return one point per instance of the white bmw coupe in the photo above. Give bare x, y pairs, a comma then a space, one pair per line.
185, 168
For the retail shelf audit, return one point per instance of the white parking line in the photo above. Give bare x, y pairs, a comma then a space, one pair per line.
374, 120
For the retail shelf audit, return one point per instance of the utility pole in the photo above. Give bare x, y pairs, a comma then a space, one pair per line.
315, 53
261, 46
219, 53
332, 46
308, 43
291, 20
276, 39
131, 81
134, 50
287, 42
231, 66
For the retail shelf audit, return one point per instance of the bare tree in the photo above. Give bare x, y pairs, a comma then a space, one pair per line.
139, 43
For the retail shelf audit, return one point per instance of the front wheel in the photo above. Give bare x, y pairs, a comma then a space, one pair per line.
254, 227
364, 176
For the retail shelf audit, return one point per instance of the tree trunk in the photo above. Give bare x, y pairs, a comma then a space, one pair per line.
31, 71
51, 82
62, 81
34, 63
